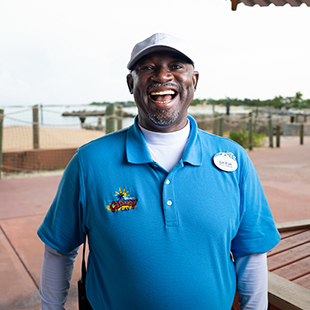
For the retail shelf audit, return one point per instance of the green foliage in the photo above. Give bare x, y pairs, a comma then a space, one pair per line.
239, 137
127, 103
276, 102
242, 138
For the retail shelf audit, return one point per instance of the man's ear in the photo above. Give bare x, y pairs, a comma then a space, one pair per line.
130, 83
195, 79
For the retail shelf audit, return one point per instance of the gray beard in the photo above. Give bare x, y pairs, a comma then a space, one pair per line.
163, 117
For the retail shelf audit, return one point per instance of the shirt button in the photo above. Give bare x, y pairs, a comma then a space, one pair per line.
169, 202
168, 182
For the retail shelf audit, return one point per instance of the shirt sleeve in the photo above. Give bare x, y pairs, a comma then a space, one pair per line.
252, 281
56, 275
63, 227
257, 231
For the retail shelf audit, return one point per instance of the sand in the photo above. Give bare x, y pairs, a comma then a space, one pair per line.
17, 138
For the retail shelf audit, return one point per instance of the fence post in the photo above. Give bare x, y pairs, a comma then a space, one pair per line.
227, 108
202, 122
278, 135
35, 126
110, 118
250, 132
221, 126
1, 138
214, 124
119, 114
243, 124
301, 133
41, 109
270, 131
255, 120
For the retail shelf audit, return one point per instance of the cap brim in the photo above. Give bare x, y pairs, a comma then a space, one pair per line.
152, 49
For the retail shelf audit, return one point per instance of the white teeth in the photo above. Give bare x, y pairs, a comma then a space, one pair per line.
161, 93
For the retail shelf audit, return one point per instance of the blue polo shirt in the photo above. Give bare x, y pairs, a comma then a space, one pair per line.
159, 240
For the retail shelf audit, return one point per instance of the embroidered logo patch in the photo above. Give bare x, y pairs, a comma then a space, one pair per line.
124, 201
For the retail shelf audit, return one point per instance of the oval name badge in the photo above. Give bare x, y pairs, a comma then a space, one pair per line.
225, 161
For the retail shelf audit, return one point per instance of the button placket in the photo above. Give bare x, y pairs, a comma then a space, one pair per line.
171, 216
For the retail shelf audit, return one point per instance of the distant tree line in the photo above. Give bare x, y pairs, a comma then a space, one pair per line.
277, 102
121, 103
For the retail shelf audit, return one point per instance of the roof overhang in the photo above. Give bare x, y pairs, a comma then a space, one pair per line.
234, 3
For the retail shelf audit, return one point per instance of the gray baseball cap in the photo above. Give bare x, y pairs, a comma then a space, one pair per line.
159, 42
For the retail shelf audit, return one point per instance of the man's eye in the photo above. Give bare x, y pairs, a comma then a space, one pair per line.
146, 68
176, 66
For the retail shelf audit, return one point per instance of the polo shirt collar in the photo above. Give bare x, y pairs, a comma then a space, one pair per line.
193, 151
136, 148
137, 151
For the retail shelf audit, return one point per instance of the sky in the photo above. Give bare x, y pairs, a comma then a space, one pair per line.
67, 52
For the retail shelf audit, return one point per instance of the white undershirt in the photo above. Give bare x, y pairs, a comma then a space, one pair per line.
166, 148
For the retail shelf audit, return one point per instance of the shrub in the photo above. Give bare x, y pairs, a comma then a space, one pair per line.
242, 138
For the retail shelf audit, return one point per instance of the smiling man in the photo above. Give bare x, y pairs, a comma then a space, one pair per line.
163, 84
176, 218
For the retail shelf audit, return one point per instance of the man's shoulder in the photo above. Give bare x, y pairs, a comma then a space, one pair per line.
215, 141
105, 143
213, 145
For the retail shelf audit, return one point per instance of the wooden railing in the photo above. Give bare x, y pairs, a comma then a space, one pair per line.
282, 293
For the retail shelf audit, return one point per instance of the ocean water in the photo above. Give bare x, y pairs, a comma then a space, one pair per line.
51, 115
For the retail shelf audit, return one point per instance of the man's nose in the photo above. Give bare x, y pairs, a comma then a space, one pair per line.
162, 74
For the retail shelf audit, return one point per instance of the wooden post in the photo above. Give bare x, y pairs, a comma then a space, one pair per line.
221, 126
110, 118
119, 114
1, 138
243, 124
270, 131
227, 108
301, 133
41, 109
203, 122
35, 126
215, 124
255, 120
99, 125
250, 132
278, 135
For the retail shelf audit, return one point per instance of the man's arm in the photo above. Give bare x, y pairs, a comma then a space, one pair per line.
252, 281
56, 275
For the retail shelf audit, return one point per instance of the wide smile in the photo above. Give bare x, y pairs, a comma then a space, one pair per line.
162, 97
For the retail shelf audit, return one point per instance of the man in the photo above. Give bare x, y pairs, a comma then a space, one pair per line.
175, 217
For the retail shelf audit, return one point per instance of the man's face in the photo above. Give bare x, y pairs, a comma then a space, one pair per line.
163, 84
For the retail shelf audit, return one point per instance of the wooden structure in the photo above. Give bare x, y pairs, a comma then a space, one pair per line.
289, 268
234, 3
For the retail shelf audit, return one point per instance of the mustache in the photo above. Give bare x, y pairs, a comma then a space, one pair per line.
156, 84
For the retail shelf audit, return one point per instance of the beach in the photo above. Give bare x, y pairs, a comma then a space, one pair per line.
17, 138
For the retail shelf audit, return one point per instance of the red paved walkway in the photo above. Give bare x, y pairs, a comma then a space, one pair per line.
284, 173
